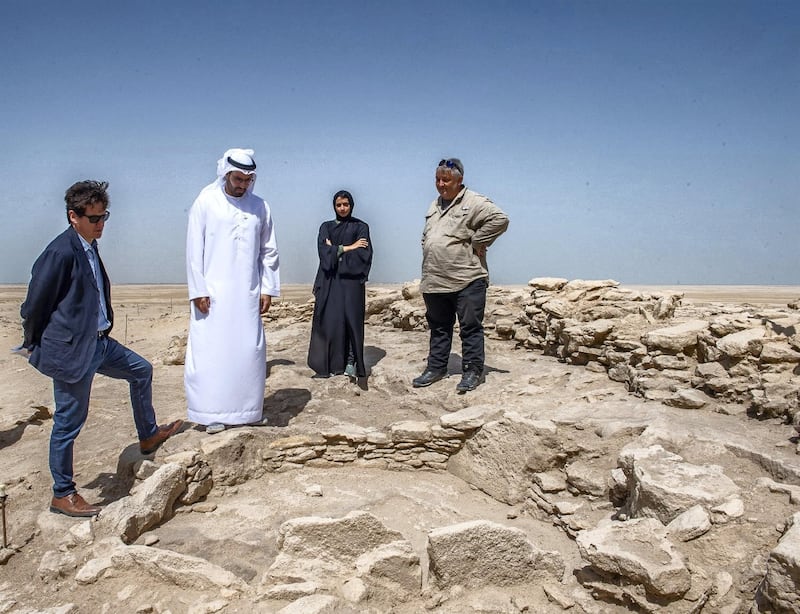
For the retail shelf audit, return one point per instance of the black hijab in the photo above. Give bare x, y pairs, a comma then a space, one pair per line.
349, 197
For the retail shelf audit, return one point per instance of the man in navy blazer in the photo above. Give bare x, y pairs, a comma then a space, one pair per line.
67, 318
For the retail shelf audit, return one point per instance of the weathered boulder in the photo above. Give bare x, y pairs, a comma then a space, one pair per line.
496, 458
589, 284
588, 478
390, 572
377, 303
638, 552
547, 283
182, 570
742, 343
550, 481
778, 351
678, 338
781, 586
54, 565
663, 485
687, 398
483, 553
411, 290
578, 337
234, 455
149, 504
469, 418
690, 524
324, 549
176, 351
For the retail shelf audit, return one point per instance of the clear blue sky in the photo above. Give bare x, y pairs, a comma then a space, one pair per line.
645, 141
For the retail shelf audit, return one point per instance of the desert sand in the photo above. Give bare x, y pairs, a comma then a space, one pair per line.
237, 525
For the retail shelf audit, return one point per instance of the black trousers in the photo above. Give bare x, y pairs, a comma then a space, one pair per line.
441, 312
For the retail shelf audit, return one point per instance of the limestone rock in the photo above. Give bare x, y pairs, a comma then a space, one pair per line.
639, 552
290, 592
781, 586
411, 290
151, 503
56, 564
742, 343
547, 283
482, 553
82, 532
675, 338
589, 284
195, 491
176, 351
390, 572
587, 478
496, 458
688, 398
727, 510
778, 351
664, 485
322, 549
690, 524
182, 570
378, 303
550, 481
234, 456
411, 430
469, 418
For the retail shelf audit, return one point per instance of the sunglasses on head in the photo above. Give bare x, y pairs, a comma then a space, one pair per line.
449, 163
93, 219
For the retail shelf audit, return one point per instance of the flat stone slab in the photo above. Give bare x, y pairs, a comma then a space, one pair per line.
639, 551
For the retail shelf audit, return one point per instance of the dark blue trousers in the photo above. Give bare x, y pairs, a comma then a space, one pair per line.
72, 405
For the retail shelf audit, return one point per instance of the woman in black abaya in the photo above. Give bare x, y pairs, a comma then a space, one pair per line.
345, 257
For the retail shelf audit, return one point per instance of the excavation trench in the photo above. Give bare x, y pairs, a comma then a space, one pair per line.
548, 479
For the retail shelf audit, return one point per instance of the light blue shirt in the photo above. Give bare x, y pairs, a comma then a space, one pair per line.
102, 317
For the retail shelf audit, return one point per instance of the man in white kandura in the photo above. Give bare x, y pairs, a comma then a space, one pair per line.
232, 271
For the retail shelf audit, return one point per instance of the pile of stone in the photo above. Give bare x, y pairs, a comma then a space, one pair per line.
727, 358
633, 514
687, 356
723, 357
238, 455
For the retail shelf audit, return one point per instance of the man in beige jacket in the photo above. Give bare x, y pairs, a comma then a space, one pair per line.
459, 226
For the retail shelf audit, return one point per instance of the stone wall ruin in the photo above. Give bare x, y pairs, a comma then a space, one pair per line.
642, 513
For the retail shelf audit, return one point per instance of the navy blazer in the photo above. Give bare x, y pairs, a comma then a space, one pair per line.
61, 309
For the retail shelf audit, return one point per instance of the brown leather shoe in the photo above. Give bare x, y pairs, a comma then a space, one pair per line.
164, 432
73, 505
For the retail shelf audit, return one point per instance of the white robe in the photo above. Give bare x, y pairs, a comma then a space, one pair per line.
231, 257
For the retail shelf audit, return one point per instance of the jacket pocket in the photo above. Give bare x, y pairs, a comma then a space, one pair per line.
52, 333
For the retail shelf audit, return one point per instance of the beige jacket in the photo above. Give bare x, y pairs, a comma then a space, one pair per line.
449, 263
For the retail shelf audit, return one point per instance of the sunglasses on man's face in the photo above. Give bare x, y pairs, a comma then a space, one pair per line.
93, 219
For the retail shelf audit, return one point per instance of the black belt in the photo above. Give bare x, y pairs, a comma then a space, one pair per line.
102, 334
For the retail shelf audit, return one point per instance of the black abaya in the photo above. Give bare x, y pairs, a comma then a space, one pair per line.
337, 330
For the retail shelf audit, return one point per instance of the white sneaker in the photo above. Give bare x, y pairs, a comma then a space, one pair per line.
215, 427
350, 370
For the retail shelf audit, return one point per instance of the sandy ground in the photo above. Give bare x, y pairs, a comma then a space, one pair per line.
241, 533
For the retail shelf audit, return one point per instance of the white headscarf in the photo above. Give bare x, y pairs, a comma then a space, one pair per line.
237, 160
